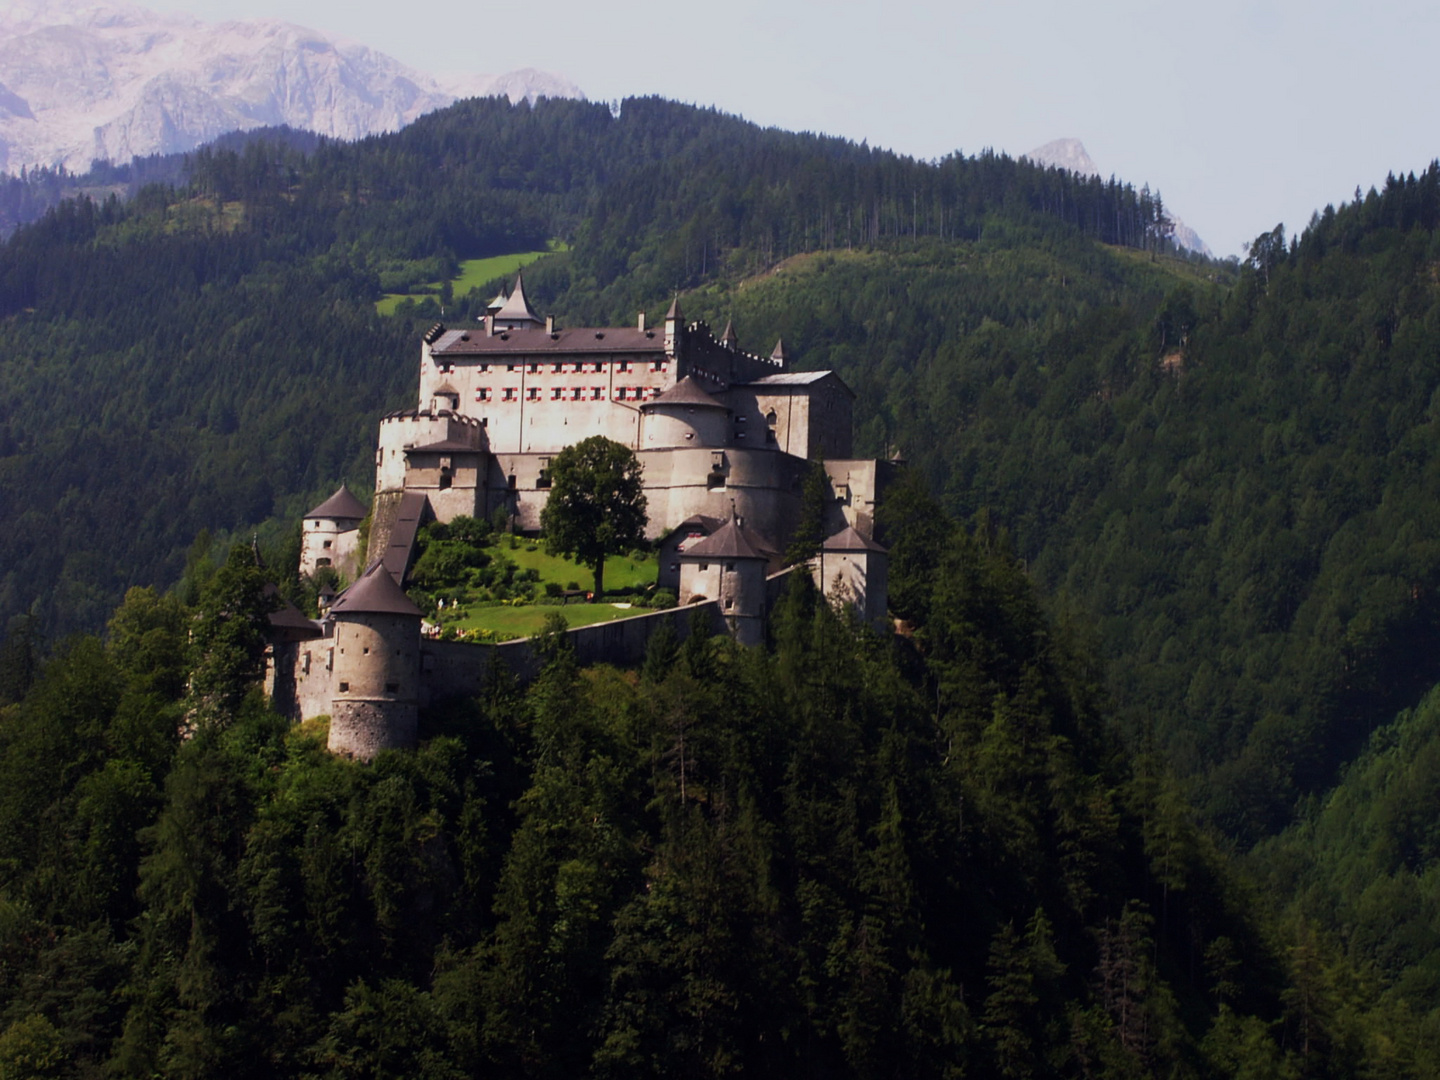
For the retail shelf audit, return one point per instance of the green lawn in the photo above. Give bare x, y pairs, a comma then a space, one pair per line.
473, 274
621, 571
529, 618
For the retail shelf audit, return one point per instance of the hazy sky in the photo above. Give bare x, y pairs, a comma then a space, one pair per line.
1243, 114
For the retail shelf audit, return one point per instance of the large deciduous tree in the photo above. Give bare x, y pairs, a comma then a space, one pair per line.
596, 506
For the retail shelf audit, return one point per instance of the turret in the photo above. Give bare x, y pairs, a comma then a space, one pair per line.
728, 566
684, 416
853, 570
674, 329
377, 667
330, 533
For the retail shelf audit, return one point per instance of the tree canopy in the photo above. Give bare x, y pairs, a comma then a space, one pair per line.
596, 505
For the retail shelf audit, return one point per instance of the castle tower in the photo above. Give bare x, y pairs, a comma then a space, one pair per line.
674, 329
684, 415
376, 699
516, 312
331, 533
854, 570
728, 566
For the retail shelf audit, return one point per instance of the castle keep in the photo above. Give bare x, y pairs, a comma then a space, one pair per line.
723, 437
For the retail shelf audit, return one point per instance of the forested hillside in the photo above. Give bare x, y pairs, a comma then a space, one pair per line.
837, 855
208, 356
1228, 475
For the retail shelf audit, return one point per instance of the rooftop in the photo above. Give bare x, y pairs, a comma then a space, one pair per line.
528, 340
848, 539
374, 593
685, 392
342, 506
731, 541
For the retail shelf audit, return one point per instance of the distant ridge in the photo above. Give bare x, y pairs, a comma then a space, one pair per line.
1071, 154
112, 81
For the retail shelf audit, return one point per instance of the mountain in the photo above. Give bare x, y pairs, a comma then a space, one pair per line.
1070, 154
80, 82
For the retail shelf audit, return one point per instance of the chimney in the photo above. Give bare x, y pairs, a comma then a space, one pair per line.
489, 325
549, 324
640, 323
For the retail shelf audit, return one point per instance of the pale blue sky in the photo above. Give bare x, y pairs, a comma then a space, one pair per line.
1243, 113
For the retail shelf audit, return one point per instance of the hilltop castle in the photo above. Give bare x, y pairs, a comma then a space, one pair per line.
723, 437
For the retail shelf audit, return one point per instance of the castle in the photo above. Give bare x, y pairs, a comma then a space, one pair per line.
724, 438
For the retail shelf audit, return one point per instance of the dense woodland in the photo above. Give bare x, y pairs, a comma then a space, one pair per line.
837, 855
1163, 654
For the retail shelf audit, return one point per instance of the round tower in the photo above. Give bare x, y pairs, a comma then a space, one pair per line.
728, 566
376, 698
684, 415
330, 533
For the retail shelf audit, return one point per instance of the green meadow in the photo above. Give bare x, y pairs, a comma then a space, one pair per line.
473, 274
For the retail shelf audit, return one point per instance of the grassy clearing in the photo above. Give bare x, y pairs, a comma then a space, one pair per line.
512, 622
621, 571
473, 274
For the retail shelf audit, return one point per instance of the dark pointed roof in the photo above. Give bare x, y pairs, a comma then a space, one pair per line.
779, 351
342, 506
375, 593
727, 336
848, 539
287, 622
517, 308
686, 392
731, 541
674, 312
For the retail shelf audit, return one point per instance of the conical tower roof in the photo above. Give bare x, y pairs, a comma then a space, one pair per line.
498, 303
778, 353
517, 308
375, 593
686, 392
849, 539
731, 541
674, 312
727, 336
342, 506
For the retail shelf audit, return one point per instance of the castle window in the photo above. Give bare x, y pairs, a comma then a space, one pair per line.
344, 687
557, 368
624, 365
729, 567
482, 394
620, 393
328, 543
579, 367
509, 393
577, 394
446, 369
704, 566
532, 393
729, 602
484, 367
322, 562
509, 367
512, 481
365, 651
556, 394
534, 369
739, 435
543, 480
444, 481
597, 393
597, 366
305, 664
715, 482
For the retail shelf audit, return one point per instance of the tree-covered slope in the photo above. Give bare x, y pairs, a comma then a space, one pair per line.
838, 855
1237, 485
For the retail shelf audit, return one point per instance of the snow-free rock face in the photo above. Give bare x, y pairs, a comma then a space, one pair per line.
1071, 154
84, 81
1064, 154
